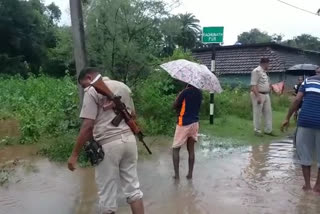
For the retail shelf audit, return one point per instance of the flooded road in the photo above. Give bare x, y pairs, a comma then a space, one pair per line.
260, 179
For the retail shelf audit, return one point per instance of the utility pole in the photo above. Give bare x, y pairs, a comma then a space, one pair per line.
78, 35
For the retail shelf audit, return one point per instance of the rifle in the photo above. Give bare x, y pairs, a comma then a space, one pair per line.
120, 109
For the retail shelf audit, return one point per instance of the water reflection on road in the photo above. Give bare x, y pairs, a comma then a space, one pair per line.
257, 179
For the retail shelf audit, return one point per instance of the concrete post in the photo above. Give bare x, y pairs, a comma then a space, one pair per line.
78, 35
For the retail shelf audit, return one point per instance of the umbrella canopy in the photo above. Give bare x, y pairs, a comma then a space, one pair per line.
194, 74
303, 67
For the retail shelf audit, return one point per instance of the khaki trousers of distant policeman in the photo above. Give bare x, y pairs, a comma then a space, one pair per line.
119, 167
262, 110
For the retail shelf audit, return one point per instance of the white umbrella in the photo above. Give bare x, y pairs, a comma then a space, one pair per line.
194, 74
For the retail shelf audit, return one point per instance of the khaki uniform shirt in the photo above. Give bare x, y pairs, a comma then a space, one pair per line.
97, 107
260, 78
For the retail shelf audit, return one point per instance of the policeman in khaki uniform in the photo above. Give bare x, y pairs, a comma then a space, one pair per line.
119, 144
261, 103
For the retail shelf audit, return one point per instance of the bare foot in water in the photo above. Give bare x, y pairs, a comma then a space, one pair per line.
175, 177
316, 189
306, 188
189, 177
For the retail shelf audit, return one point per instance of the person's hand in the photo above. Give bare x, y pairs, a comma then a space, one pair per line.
72, 162
285, 125
259, 100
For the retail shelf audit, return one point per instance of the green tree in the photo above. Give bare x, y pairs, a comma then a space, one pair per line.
182, 31
26, 32
277, 38
305, 41
189, 31
60, 58
254, 36
171, 30
54, 12
124, 36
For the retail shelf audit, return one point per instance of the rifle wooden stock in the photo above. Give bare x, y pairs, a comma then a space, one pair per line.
120, 107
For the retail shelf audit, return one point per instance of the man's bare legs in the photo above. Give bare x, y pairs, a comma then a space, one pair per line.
306, 170
190, 147
137, 207
176, 161
316, 187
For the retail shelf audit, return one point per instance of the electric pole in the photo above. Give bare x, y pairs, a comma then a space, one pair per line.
78, 35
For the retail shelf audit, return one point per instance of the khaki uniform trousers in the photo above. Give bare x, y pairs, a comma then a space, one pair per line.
119, 167
262, 110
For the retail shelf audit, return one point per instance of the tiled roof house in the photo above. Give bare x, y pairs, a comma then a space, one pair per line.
235, 63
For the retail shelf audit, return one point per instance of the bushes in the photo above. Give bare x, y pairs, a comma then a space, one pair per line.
12, 65
237, 102
47, 106
280, 103
43, 105
154, 98
234, 101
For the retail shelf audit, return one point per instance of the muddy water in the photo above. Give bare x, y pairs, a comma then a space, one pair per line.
257, 179
9, 128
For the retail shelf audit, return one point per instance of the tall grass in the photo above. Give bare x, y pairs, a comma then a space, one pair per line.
43, 105
48, 108
237, 102
154, 100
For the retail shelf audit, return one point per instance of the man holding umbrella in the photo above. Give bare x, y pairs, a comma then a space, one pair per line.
187, 105
198, 77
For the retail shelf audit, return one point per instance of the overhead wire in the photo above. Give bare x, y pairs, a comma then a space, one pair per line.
299, 8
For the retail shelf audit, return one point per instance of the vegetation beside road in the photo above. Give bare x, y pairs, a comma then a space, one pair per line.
46, 112
234, 117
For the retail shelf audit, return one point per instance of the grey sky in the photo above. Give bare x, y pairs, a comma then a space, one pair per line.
238, 16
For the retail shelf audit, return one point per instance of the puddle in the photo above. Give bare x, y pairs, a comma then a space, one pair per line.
257, 179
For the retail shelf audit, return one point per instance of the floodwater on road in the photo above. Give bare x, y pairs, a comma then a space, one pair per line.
259, 179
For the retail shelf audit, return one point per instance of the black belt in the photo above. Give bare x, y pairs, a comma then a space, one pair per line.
264, 92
